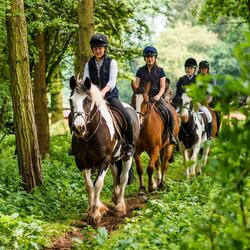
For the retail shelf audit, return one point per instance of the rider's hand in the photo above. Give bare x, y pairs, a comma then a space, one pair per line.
157, 98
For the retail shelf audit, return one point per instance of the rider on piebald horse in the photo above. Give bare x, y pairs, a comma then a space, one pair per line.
102, 70
190, 77
152, 73
205, 75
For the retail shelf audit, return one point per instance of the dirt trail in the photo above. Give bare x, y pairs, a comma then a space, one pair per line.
110, 221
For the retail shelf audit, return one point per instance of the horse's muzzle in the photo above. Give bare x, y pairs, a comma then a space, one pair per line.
79, 130
184, 118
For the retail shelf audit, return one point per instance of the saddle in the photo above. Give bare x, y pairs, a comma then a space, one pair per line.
162, 112
119, 120
204, 118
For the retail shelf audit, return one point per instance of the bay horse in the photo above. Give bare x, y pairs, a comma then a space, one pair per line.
192, 137
97, 143
153, 138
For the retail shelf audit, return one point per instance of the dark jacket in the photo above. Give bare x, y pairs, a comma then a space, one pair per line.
102, 81
180, 88
153, 77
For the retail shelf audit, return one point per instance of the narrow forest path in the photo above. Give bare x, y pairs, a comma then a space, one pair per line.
110, 221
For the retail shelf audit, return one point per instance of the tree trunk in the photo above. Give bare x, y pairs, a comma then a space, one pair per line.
3, 111
40, 96
29, 161
56, 96
86, 30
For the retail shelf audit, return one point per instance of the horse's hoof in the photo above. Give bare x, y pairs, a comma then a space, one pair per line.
121, 209
152, 188
103, 209
142, 191
161, 186
94, 219
198, 172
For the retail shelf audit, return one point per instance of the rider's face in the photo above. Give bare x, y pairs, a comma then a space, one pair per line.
190, 71
99, 52
150, 60
204, 70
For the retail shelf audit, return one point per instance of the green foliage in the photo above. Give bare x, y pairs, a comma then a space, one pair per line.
29, 221
235, 9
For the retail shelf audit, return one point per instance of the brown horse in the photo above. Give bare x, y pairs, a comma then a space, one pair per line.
216, 121
153, 138
98, 143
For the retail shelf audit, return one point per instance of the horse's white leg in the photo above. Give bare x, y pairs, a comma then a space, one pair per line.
185, 160
158, 171
204, 158
121, 207
99, 207
194, 158
89, 187
116, 187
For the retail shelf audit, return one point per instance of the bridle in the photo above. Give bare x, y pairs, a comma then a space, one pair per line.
149, 107
88, 119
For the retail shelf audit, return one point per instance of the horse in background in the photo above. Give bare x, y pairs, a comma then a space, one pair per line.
97, 143
153, 138
192, 137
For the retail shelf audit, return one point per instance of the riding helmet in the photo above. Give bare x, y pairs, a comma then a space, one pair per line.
98, 40
150, 51
204, 64
190, 62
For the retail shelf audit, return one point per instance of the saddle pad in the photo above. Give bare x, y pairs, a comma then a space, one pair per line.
119, 119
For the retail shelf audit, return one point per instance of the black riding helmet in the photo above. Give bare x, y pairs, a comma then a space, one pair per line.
150, 51
98, 40
203, 64
190, 62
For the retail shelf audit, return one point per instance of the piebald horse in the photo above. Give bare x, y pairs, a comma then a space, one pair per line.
192, 137
153, 138
97, 144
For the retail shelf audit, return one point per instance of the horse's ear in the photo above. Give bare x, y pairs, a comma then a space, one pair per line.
72, 82
133, 86
87, 83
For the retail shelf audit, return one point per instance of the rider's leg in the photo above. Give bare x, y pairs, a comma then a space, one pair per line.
207, 113
164, 105
129, 149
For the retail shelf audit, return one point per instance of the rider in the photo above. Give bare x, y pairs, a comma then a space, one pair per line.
205, 75
168, 94
190, 77
102, 71
154, 74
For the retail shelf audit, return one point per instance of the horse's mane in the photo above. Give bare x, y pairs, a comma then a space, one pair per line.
97, 96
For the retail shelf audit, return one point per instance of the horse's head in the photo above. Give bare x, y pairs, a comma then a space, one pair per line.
81, 103
140, 99
186, 108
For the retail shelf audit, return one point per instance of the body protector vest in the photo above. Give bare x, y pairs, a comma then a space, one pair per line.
102, 79
153, 77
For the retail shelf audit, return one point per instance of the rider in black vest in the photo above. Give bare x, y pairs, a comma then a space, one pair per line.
156, 76
103, 71
190, 77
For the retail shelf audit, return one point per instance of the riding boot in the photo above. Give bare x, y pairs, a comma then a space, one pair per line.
209, 130
171, 128
129, 148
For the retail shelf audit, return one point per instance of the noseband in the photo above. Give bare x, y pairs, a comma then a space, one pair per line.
89, 119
